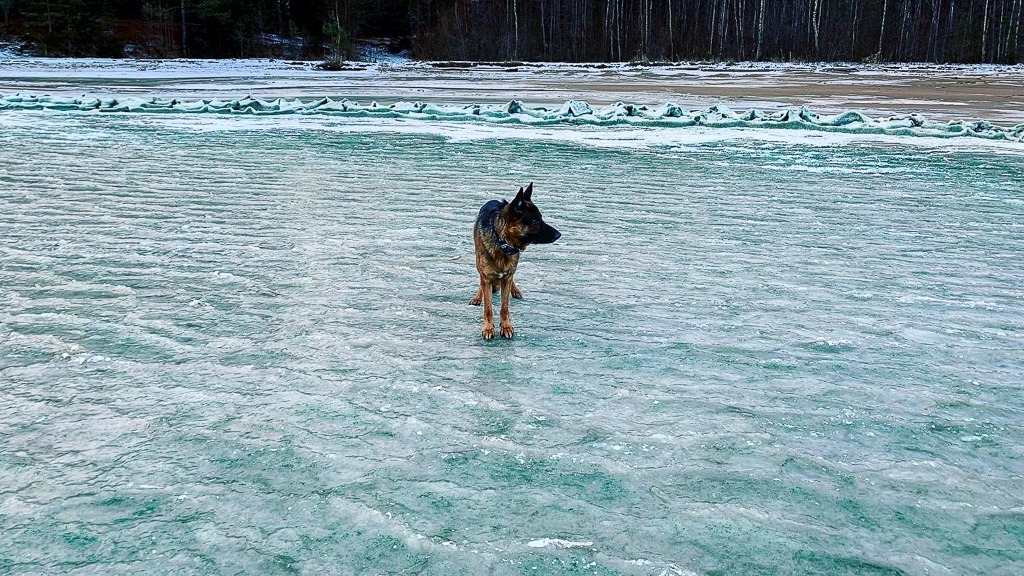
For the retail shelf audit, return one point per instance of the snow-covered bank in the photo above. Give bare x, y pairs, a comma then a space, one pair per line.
13, 64
573, 112
942, 92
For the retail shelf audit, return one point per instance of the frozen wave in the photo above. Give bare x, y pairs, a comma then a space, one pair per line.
573, 112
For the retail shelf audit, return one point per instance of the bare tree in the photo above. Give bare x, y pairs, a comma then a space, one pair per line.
5, 6
184, 36
881, 33
984, 34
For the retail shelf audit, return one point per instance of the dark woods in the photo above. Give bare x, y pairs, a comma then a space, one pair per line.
671, 30
554, 30
199, 28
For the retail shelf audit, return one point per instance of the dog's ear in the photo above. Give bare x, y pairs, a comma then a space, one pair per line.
517, 202
529, 192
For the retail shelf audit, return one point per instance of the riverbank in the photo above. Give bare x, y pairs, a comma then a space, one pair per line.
940, 92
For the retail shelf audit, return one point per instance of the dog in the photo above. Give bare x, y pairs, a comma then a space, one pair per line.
502, 231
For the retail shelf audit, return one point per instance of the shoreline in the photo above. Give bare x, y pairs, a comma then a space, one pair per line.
941, 92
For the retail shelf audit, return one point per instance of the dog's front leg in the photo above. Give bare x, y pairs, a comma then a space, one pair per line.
485, 289
506, 291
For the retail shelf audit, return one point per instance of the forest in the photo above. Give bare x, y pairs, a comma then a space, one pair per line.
943, 31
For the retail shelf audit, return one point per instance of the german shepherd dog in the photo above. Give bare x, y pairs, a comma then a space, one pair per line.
503, 230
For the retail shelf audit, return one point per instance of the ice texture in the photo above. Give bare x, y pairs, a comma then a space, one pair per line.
241, 343
572, 112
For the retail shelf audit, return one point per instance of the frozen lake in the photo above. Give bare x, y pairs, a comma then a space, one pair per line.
242, 344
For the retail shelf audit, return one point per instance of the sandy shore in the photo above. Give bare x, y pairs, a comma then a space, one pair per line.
993, 93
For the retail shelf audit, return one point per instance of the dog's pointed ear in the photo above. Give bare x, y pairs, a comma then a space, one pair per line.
517, 202
529, 192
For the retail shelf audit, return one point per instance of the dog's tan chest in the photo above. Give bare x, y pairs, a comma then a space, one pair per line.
496, 267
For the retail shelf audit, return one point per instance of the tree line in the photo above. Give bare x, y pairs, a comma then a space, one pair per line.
530, 30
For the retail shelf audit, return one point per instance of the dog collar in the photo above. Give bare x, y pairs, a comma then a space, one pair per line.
507, 248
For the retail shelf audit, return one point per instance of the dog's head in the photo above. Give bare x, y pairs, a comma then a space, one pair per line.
525, 224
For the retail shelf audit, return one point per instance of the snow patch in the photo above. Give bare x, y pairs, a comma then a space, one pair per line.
557, 543
10, 51
380, 50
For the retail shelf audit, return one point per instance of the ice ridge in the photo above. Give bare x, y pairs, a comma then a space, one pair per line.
575, 112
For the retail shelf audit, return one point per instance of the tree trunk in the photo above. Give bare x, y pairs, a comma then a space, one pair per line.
618, 27
1017, 32
647, 30
999, 31
543, 36
901, 48
881, 33
515, 13
933, 33
723, 27
711, 34
853, 34
760, 31
671, 36
984, 33
741, 47
816, 23
949, 28
184, 38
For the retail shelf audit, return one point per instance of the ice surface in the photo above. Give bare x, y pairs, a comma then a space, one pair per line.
240, 343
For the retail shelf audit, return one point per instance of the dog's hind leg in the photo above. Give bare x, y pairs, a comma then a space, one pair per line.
475, 300
515, 292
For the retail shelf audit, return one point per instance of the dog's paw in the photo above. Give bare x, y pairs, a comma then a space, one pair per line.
487, 332
516, 293
507, 331
475, 300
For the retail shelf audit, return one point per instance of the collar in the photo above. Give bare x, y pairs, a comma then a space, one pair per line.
507, 248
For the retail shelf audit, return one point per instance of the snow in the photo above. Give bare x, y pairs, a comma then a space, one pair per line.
9, 51
557, 543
